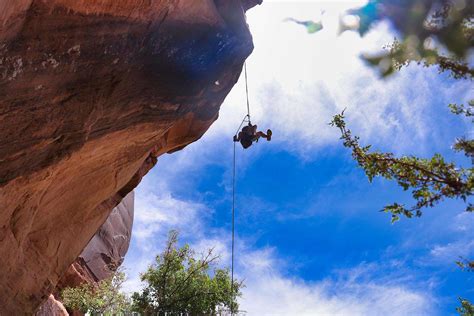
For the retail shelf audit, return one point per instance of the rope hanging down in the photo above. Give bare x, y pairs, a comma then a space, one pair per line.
246, 119
233, 233
247, 91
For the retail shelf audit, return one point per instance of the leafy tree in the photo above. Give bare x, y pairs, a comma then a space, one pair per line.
179, 283
465, 265
427, 27
432, 33
104, 298
466, 309
431, 180
451, 25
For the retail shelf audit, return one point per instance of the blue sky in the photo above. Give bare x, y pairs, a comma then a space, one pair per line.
310, 237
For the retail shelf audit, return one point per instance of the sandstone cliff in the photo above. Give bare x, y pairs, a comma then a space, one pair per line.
105, 252
91, 92
100, 258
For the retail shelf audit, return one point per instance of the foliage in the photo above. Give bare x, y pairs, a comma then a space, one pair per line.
104, 298
461, 109
465, 264
466, 309
432, 33
462, 144
179, 283
431, 180
427, 27
400, 54
421, 24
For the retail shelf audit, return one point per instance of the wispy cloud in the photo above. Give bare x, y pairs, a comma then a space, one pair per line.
157, 211
361, 290
351, 292
451, 251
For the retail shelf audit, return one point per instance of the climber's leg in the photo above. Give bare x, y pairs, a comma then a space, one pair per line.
268, 136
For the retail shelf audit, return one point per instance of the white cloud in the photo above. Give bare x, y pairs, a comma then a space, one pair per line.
220, 246
452, 251
157, 211
268, 291
458, 240
353, 292
299, 81
463, 222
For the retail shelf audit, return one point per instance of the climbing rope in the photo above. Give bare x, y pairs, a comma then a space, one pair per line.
247, 91
233, 233
245, 119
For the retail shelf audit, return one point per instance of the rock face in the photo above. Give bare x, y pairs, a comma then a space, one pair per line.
106, 250
91, 93
100, 258
52, 307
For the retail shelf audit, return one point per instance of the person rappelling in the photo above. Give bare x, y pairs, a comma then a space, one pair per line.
249, 134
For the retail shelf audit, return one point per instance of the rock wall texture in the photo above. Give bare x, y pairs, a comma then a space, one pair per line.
102, 256
91, 93
105, 252
52, 307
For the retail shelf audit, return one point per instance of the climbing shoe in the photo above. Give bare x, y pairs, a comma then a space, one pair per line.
269, 135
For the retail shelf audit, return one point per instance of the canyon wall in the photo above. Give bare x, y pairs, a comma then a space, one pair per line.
91, 93
106, 251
